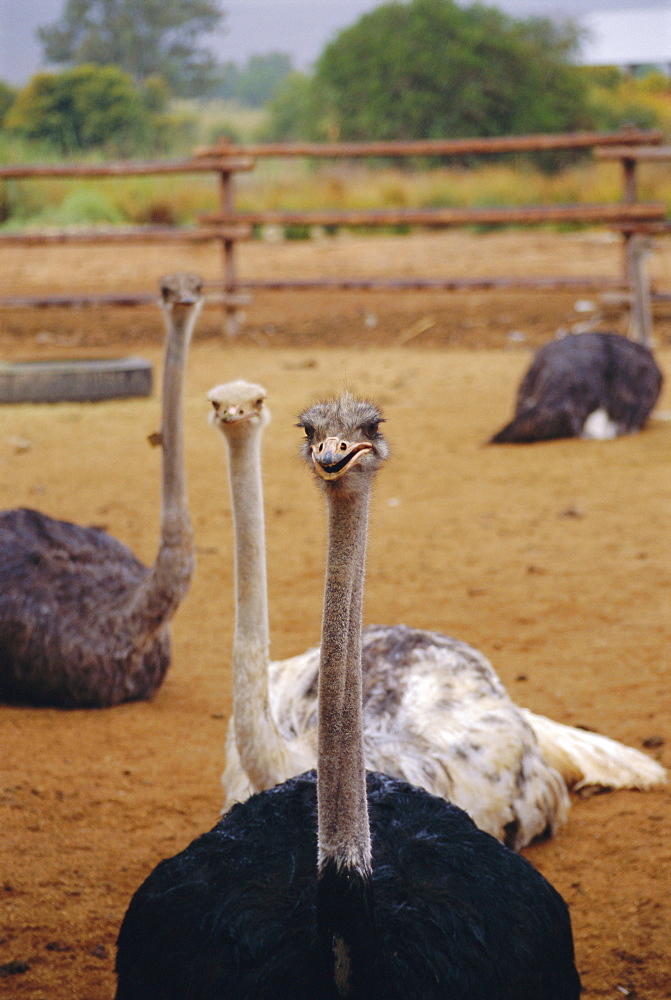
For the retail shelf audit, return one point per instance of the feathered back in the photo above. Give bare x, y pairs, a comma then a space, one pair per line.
456, 913
572, 378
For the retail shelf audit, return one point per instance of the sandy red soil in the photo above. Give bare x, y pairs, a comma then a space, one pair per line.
554, 559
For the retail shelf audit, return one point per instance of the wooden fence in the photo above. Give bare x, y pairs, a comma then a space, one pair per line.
228, 226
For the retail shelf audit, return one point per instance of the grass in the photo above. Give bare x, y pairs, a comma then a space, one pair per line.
297, 184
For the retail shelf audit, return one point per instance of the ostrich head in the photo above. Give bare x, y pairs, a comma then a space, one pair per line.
341, 436
238, 404
181, 296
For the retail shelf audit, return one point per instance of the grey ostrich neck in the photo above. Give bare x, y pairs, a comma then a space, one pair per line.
160, 593
344, 836
260, 746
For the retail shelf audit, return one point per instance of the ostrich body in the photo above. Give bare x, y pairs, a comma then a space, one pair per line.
591, 385
83, 623
345, 884
435, 712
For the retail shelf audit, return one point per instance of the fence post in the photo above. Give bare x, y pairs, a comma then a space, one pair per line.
231, 324
629, 180
640, 317
637, 249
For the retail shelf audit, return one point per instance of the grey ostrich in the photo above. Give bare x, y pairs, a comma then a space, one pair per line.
435, 712
345, 884
590, 385
83, 623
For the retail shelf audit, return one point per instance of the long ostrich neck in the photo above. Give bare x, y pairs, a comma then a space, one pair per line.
166, 583
344, 836
261, 748
174, 508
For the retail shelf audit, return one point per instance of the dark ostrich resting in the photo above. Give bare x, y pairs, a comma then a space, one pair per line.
83, 624
235, 915
381, 890
54, 575
571, 378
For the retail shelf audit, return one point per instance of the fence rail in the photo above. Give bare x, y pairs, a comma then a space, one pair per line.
228, 226
127, 234
626, 138
442, 218
129, 168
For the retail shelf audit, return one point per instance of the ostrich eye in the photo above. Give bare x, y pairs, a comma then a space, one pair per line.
371, 430
309, 431
259, 404
215, 406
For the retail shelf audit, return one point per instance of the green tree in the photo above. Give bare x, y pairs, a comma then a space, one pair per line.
296, 112
143, 37
82, 108
434, 69
226, 86
260, 78
255, 83
7, 98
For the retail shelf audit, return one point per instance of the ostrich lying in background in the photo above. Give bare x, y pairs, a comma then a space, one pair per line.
590, 385
83, 623
435, 712
345, 884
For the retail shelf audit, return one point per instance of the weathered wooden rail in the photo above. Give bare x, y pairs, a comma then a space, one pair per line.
228, 226
441, 218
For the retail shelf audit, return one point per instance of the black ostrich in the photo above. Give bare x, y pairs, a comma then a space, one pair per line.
83, 623
591, 385
345, 884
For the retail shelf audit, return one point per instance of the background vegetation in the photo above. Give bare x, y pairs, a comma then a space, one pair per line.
142, 37
431, 68
136, 83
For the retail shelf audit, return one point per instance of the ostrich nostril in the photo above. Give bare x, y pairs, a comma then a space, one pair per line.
343, 446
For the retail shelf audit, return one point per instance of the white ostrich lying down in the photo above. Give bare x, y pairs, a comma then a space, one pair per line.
435, 712
590, 385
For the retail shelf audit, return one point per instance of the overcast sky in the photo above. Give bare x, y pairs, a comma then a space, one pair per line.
298, 27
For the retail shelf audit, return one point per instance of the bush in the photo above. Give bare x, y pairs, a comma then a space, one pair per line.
82, 206
84, 108
618, 99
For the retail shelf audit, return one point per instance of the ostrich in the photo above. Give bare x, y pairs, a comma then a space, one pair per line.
590, 385
428, 699
345, 884
83, 623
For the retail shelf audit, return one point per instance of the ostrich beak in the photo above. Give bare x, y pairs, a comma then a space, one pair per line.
235, 413
225, 414
187, 299
232, 414
333, 456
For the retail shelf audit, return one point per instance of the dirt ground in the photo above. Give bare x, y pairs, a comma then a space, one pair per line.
553, 559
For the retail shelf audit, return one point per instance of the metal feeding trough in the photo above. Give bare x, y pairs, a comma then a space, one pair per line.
79, 380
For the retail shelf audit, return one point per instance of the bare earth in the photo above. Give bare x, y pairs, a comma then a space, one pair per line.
554, 559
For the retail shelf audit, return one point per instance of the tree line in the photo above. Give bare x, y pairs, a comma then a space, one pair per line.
405, 70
